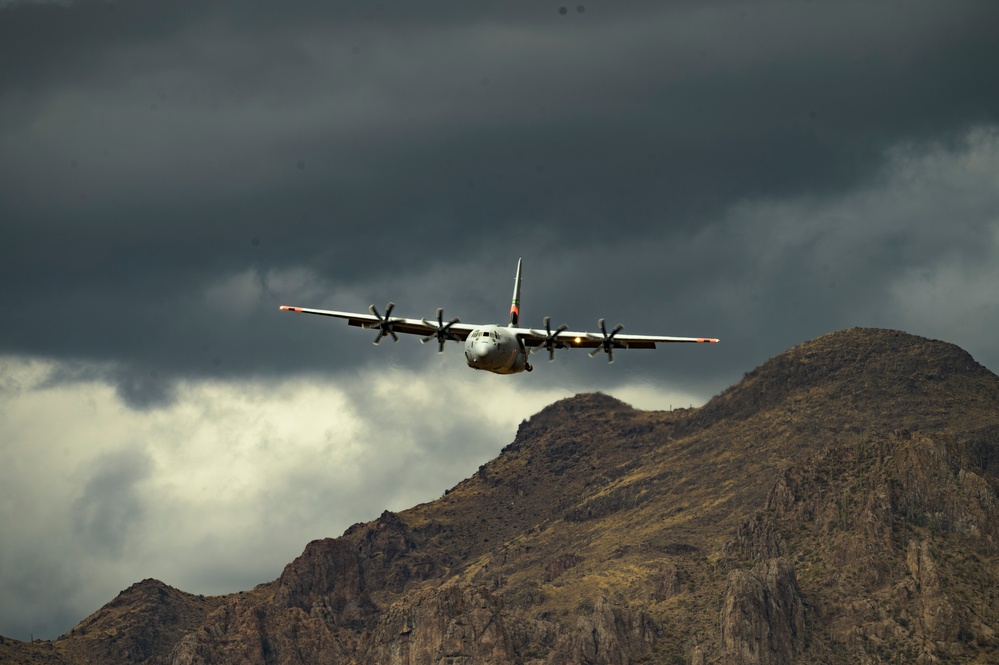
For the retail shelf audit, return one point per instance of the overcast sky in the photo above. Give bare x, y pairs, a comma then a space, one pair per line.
171, 171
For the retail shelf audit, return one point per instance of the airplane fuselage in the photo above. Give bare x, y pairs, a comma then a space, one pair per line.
496, 349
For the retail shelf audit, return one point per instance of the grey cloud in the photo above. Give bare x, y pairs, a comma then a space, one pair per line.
4, 4
137, 387
144, 389
110, 510
38, 591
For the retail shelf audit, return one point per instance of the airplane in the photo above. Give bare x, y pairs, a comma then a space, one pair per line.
494, 348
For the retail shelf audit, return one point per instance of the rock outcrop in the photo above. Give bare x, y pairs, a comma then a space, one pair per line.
762, 618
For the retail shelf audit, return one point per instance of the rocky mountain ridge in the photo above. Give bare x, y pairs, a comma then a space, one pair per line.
839, 504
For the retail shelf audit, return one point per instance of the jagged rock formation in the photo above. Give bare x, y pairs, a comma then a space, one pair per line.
762, 618
838, 505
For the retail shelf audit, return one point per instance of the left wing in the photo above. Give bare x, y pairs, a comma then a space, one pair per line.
390, 325
589, 340
603, 340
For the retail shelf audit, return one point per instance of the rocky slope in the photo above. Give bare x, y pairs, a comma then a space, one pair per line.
838, 505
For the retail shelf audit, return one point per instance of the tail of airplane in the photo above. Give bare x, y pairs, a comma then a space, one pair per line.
515, 307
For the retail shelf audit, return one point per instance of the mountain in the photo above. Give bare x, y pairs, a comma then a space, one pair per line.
840, 504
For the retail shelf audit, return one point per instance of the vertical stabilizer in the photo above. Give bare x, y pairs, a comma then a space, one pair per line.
515, 307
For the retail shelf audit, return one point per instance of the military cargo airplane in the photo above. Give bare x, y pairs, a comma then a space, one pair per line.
495, 348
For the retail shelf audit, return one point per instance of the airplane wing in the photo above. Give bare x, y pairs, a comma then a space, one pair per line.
603, 340
389, 325
589, 340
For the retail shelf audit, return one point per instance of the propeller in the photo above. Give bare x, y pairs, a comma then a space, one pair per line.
551, 341
385, 323
443, 331
608, 343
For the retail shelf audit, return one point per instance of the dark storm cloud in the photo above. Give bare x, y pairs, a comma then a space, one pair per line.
169, 169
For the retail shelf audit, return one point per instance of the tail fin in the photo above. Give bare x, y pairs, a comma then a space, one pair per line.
515, 307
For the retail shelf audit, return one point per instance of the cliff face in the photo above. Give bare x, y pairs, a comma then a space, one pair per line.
762, 616
838, 505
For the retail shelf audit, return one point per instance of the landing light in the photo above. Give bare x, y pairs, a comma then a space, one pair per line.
578, 340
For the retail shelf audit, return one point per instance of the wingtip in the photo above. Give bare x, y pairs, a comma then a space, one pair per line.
286, 308
709, 340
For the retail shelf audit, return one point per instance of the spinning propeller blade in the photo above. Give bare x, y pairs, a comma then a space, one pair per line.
551, 341
443, 331
385, 323
608, 342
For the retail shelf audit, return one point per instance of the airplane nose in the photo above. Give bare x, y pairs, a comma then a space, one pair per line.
480, 351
